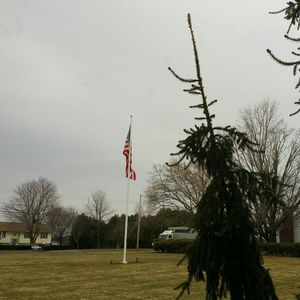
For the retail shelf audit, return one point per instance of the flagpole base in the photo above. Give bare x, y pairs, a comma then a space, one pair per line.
124, 262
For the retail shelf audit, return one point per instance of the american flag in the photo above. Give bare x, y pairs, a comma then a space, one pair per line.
127, 152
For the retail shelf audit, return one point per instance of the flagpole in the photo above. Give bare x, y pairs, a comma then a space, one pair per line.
138, 231
127, 201
126, 224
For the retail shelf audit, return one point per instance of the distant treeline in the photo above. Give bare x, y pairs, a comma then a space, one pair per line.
85, 229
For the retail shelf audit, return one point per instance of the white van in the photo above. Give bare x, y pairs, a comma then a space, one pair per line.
178, 232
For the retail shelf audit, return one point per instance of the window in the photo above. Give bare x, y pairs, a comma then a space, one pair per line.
2, 234
26, 235
181, 230
44, 235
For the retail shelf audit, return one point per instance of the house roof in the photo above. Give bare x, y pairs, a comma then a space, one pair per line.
19, 227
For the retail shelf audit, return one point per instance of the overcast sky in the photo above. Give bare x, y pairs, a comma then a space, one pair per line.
72, 72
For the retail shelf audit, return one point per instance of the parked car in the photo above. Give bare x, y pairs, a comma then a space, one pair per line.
36, 247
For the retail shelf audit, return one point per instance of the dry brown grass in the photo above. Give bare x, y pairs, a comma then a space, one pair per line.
89, 275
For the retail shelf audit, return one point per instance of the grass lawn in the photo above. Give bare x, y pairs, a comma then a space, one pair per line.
88, 274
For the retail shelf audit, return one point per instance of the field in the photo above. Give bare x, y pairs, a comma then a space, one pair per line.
88, 274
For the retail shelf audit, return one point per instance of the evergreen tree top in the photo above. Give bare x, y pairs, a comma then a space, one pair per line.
225, 253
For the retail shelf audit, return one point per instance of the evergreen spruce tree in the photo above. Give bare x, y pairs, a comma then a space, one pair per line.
292, 14
225, 253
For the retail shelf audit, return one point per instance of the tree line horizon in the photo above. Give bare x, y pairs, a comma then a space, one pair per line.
181, 187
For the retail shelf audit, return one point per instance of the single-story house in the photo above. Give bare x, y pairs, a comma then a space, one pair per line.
16, 234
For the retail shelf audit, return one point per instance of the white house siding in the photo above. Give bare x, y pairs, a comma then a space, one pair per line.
297, 229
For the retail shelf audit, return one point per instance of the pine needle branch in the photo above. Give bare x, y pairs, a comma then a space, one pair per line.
181, 78
277, 12
282, 62
292, 39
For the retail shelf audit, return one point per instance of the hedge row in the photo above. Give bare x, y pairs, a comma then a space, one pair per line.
172, 245
281, 249
57, 247
181, 246
15, 247
28, 247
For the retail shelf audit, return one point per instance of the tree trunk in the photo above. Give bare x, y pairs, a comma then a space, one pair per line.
32, 238
98, 235
77, 242
272, 236
269, 235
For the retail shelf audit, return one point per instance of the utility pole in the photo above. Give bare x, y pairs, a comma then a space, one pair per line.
138, 231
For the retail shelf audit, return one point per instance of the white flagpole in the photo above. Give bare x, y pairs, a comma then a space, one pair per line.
126, 225
127, 201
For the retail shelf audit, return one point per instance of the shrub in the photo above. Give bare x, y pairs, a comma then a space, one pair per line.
281, 249
15, 247
172, 245
28, 247
182, 245
57, 247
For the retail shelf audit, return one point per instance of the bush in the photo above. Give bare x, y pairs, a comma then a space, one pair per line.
172, 245
281, 249
182, 245
15, 247
57, 247
28, 247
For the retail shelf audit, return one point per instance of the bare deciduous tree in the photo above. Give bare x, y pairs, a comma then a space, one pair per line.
99, 209
178, 187
60, 220
277, 162
31, 203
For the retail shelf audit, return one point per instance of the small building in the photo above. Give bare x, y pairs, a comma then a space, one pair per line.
291, 231
297, 229
15, 234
